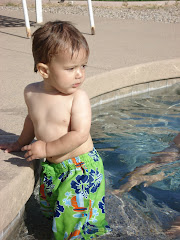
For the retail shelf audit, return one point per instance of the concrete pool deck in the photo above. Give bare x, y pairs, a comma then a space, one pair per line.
126, 56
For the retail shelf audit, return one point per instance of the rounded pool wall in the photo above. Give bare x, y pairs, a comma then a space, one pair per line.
132, 80
101, 89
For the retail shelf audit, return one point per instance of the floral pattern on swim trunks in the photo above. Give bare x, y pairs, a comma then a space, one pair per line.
74, 191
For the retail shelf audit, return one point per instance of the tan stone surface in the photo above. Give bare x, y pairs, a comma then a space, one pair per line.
16, 185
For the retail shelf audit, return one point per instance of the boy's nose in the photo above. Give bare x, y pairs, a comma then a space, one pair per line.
79, 73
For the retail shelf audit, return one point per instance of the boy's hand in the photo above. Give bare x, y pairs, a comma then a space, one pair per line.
35, 150
11, 147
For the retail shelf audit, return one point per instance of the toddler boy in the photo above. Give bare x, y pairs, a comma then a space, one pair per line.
72, 189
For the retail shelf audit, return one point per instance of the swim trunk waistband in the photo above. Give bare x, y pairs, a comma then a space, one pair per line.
72, 163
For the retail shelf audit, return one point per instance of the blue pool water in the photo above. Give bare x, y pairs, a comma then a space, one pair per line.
127, 132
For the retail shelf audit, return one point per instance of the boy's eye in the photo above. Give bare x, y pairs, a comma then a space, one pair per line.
70, 69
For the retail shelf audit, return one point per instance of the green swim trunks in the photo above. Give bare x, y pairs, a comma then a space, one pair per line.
73, 194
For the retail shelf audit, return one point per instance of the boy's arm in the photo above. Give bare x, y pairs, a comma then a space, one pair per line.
26, 137
27, 134
78, 134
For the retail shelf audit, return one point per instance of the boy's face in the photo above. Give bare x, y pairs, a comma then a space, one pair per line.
66, 73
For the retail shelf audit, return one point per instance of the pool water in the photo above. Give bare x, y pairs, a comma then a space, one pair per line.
127, 133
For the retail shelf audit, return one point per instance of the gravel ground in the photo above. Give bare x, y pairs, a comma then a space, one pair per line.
165, 13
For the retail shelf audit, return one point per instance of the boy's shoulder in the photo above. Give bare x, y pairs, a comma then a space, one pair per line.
81, 94
81, 100
32, 88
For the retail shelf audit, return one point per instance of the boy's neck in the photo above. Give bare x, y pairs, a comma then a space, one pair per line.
48, 89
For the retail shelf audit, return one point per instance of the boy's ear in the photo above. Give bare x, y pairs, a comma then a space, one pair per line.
43, 69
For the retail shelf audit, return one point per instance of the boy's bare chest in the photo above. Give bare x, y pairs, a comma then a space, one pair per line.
50, 110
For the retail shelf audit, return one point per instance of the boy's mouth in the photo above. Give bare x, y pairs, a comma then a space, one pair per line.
76, 85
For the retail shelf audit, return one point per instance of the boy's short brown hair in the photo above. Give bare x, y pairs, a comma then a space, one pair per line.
55, 37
